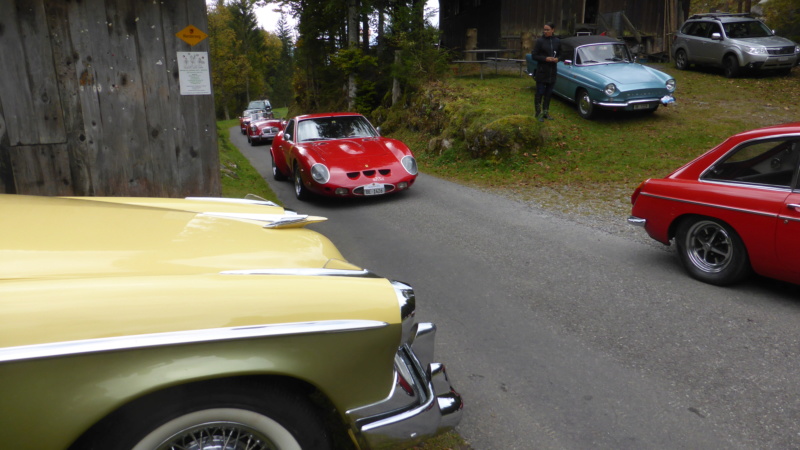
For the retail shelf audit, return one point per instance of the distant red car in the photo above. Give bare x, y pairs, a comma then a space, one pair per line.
733, 210
340, 154
263, 127
244, 119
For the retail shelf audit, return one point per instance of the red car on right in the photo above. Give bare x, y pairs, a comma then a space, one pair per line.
733, 210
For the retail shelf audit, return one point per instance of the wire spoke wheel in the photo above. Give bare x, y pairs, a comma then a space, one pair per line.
219, 436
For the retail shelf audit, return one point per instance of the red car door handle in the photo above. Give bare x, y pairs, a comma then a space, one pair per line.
793, 206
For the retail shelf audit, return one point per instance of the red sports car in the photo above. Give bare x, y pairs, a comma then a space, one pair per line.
263, 127
340, 154
733, 210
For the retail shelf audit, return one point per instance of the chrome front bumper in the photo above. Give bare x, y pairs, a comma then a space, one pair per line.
665, 100
422, 402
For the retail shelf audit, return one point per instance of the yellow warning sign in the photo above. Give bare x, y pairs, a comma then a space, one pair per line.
191, 35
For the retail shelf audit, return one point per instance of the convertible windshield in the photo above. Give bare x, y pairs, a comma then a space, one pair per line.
750, 29
603, 54
334, 128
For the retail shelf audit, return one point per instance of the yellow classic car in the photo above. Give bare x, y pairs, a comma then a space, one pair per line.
147, 323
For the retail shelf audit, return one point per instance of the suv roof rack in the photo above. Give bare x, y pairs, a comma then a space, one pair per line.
720, 15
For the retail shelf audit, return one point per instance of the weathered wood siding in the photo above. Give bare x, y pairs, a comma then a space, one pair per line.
518, 18
458, 16
90, 102
530, 16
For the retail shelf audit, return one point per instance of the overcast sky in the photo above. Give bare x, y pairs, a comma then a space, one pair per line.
268, 18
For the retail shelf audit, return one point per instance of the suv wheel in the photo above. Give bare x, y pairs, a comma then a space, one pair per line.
681, 60
730, 66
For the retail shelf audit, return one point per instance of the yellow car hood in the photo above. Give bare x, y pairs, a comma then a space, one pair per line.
45, 237
74, 269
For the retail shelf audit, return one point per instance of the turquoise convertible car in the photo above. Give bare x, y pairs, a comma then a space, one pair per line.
598, 72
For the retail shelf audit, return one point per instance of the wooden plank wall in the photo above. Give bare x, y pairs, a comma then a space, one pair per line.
530, 16
91, 104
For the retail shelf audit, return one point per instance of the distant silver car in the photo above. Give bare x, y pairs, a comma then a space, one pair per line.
734, 42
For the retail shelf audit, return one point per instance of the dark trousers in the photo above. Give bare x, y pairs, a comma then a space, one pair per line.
542, 100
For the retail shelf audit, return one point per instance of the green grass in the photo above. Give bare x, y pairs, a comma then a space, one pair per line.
602, 159
238, 177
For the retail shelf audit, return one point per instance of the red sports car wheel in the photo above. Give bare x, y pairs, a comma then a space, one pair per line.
711, 251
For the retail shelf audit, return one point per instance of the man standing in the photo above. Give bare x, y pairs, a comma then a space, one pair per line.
545, 52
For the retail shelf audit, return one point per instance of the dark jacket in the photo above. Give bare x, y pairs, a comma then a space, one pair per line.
545, 47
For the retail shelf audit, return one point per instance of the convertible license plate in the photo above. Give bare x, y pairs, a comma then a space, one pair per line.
642, 106
374, 189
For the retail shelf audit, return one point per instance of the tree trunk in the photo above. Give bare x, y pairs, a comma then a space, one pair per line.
352, 42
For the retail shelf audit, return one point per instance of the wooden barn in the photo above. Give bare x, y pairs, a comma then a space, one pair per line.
92, 102
646, 25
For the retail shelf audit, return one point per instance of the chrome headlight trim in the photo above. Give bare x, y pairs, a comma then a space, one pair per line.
320, 173
610, 89
670, 85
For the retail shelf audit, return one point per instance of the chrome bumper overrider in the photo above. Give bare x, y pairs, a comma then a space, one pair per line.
422, 403
637, 221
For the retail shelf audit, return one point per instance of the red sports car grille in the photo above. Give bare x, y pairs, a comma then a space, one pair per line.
368, 173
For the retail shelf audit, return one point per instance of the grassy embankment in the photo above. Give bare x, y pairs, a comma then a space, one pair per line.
238, 176
601, 161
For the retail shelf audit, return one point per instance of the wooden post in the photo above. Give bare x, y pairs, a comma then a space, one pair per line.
527, 43
472, 43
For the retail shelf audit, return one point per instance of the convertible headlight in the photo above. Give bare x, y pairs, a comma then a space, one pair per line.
670, 85
756, 50
797, 49
610, 89
320, 173
410, 164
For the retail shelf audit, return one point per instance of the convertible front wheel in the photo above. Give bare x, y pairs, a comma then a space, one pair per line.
585, 107
234, 415
711, 251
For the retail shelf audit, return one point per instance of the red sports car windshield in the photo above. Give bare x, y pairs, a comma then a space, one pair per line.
339, 127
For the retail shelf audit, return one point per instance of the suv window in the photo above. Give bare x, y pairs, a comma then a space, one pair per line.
699, 29
749, 29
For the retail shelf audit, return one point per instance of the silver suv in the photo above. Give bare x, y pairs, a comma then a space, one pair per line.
735, 42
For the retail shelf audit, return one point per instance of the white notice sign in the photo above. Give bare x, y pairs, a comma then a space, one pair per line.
193, 73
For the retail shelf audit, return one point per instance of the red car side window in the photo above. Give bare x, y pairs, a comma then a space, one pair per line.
772, 163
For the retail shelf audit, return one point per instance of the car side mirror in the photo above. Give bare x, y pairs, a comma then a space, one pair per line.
287, 137
716, 37
567, 62
378, 129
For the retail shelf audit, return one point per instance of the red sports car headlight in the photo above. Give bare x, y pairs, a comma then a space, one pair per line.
410, 164
320, 173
